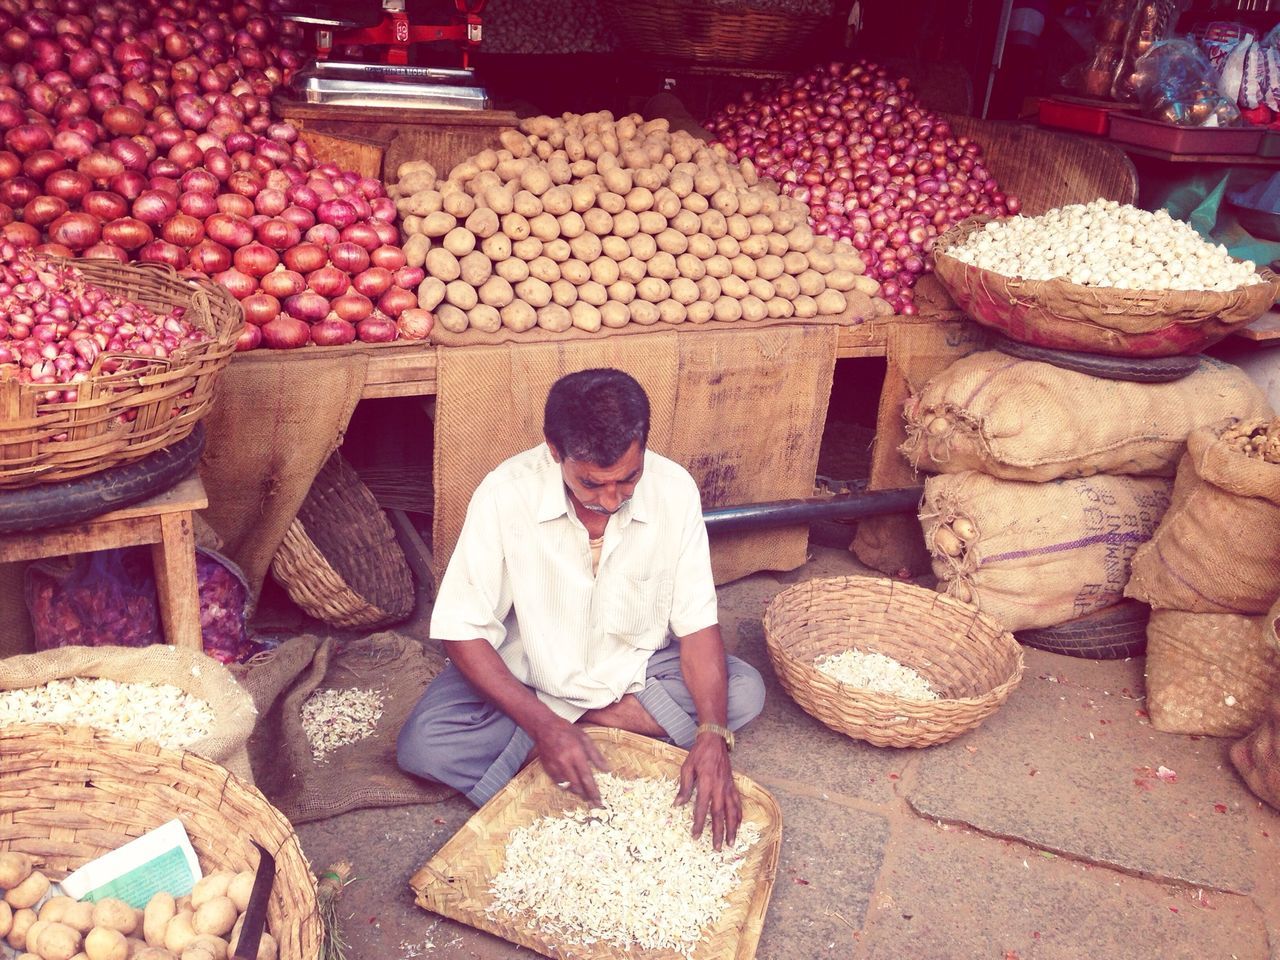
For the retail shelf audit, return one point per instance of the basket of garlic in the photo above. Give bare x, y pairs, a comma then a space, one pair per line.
516, 869
71, 794
1103, 278
888, 662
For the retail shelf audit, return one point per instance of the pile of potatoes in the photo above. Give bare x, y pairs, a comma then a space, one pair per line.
588, 222
202, 926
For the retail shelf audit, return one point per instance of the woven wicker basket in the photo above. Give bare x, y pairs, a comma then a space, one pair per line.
339, 560
709, 33
968, 658
1069, 316
455, 882
122, 416
69, 794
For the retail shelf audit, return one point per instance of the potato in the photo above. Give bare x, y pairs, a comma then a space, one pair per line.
800, 239
811, 283
22, 921
644, 312
689, 266
714, 224
617, 180
450, 318
28, 892
414, 166
615, 248
515, 226
197, 952
416, 249
727, 310
626, 225
484, 318
753, 309
671, 311
461, 294
761, 289
614, 314
544, 226
603, 269
612, 203
535, 292
769, 267
593, 293
632, 269
652, 222
754, 246
184, 903
105, 944
497, 248
430, 293
526, 204
483, 223
161, 908
653, 290
643, 247
499, 200
776, 243
459, 241
585, 316
623, 292
702, 246
666, 203
598, 222
728, 247
494, 292
476, 268
831, 303
672, 241
512, 270
571, 225
699, 312
34, 933
78, 915
846, 258
662, 266
718, 267
6, 919
680, 183
841, 280
217, 946
787, 287
575, 271
806, 307
53, 909
555, 318
424, 203
544, 269
639, 199
820, 262
749, 203
460, 205
564, 293
518, 316
780, 308
744, 267
557, 250
528, 249
734, 286
648, 178
706, 181
686, 223
266, 947
535, 180
118, 915
218, 916
684, 291
438, 224
582, 196
586, 248
442, 264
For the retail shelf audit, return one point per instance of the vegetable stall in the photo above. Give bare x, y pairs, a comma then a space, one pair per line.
243, 243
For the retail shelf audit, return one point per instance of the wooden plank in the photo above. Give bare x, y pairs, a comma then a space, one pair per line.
1265, 329
174, 560
361, 155
409, 116
416, 552
79, 538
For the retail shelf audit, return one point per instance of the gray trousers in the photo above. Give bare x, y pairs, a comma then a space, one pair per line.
454, 735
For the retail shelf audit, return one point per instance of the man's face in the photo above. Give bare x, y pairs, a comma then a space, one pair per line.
600, 489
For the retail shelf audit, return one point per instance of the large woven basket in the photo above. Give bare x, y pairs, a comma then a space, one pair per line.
1069, 316
704, 32
122, 416
69, 794
455, 882
968, 658
339, 560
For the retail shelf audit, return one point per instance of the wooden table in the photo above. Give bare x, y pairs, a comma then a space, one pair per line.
163, 521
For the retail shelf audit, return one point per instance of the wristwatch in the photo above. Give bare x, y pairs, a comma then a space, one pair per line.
719, 731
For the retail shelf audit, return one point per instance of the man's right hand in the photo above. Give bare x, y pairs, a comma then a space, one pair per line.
568, 755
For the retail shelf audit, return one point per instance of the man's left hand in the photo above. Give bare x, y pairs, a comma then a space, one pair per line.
707, 770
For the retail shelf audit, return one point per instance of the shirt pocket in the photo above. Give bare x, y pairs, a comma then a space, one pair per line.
638, 612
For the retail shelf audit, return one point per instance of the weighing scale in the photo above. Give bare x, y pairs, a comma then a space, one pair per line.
389, 80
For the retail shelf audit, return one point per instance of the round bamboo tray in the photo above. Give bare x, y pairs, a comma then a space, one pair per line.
703, 32
1068, 316
339, 560
121, 416
967, 657
69, 794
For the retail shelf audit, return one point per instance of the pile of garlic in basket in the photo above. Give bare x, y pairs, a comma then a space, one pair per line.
650, 884
876, 673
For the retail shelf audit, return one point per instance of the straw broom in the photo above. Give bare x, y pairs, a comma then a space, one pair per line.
332, 882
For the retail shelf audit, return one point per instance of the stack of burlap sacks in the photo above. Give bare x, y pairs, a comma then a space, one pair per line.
1048, 481
1211, 574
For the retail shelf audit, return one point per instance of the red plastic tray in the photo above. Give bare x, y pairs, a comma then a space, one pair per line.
1140, 132
1072, 115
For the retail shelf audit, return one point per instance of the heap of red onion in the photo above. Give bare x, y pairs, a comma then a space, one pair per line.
875, 167
140, 130
54, 325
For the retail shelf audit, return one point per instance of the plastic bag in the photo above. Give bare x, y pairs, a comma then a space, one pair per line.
109, 598
1175, 82
1152, 21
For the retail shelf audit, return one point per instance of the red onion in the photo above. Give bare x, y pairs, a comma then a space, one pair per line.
376, 329
239, 285
282, 283
395, 301
104, 206
352, 307
350, 257
409, 277
202, 206
332, 331
44, 210
209, 257
285, 333
68, 185
42, 163
250, 338
305, 258
325, 234
155, 206
388, 257
388, 235
127, 232
106, 251
329, 281
415, 324
337, 213
260, 308
229, 230
373, 282
183, 230
234, 203
278, 234
256, 259
79, 231
308, 305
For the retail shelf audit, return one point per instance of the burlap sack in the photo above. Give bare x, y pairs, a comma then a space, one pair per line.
1038, 554
1257, 756
1218, 549
356, 776
190, 671
1023, 420
1208, 673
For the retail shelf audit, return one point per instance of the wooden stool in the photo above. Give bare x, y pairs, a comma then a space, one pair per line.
165, 522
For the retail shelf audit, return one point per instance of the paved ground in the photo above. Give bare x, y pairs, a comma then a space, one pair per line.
1044, 835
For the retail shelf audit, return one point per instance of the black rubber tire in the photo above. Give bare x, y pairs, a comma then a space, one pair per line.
1135, 369
56, 504
1111, 634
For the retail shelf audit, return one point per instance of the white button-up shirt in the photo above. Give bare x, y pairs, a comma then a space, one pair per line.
521, 578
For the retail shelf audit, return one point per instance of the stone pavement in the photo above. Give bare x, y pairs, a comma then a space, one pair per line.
1046, 834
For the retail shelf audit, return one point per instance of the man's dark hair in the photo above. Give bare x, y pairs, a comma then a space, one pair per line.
594, 416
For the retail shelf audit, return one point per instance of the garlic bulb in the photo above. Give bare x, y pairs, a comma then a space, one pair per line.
1105, 244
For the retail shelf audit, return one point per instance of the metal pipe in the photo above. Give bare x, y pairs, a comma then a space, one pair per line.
785, 513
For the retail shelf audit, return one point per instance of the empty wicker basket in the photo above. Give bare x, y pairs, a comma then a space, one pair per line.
967, 657
340, 561
70, 794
